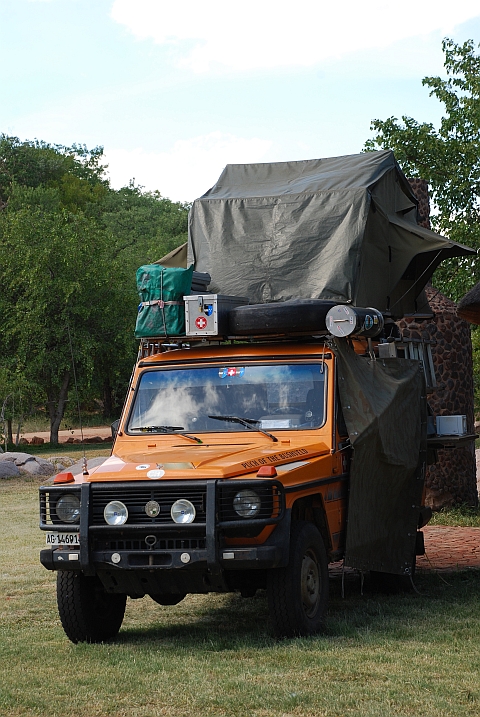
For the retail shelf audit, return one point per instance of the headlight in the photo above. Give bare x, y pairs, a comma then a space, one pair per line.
115, 513
247, 503
68, 508
183, 511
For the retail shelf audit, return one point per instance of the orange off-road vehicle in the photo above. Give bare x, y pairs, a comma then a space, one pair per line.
261, 442
230, 472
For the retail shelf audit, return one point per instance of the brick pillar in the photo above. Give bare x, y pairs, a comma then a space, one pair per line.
453, 479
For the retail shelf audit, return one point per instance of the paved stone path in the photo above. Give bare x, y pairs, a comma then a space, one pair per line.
449, 549
446, 550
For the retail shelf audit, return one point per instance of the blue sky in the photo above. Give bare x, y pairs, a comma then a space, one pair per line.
175, 90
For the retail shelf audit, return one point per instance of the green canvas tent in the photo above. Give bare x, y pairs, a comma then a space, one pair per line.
342, 229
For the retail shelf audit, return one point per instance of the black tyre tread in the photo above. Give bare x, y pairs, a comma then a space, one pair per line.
295, 316
78, 608
284, 613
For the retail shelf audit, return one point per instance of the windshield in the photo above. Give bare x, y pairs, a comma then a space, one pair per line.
275, 396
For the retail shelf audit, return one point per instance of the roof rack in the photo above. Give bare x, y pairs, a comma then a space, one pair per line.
161, 344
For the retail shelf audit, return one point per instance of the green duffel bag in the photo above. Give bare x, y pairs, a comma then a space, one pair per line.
161, 311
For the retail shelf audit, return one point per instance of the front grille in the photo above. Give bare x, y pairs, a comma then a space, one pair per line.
139, 544
136, 498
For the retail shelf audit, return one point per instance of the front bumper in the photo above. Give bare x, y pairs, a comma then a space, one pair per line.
198, 551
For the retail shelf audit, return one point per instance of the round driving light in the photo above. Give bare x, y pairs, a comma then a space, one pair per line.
68, 508
246, 503
115, 513
183, 511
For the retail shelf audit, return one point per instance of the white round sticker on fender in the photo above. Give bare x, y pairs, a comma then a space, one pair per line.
142, 467
155, 474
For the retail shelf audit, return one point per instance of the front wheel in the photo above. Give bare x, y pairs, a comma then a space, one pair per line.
87, 612
298, 594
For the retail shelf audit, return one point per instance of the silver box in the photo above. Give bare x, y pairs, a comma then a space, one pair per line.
387, 350
451, 425
207, 314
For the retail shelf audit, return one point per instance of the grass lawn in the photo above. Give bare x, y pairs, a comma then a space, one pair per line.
464, 516
415, 654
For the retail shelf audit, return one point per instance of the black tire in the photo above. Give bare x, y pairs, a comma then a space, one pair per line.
298, 594
283, 317
87, 612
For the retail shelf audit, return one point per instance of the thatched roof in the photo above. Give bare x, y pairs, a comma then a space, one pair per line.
469, 306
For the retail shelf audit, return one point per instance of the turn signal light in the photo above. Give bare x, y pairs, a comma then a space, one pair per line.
267, 472
64, 478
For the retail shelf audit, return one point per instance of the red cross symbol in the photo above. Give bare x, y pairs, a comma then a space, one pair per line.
201, 322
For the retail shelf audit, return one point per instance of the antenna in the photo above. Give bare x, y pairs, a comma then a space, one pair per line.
85, 466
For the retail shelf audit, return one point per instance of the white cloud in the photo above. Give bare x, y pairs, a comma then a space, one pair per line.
273, 33
186, 171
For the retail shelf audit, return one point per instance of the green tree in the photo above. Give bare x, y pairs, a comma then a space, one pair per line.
69, 248
56, 272
447, 157
145, 225
37, 163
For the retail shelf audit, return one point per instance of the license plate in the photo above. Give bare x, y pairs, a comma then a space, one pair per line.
63, 539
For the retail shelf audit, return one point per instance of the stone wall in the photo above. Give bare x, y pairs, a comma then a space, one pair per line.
453, 479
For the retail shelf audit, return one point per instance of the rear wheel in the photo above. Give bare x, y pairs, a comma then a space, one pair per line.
87, 612
298, 594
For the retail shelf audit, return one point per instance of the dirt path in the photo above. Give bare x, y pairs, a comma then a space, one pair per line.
63, 436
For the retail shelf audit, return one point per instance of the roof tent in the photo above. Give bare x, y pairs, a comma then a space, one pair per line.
342, 229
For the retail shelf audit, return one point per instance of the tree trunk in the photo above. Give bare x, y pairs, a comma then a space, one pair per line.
9, 431
107, 398
57, 398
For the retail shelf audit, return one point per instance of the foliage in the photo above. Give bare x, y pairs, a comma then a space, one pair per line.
447, 157
37, 163
69, 248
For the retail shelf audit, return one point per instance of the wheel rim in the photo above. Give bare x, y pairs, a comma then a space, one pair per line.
310, 584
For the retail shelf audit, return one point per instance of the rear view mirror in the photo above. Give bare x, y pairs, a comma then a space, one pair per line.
114, 428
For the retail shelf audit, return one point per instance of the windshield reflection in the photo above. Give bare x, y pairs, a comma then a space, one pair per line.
275, 397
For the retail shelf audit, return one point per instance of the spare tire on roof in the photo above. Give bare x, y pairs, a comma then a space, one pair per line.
284, 317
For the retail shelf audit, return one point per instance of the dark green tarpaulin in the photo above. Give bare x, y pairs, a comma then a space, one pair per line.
384, 405
341, 229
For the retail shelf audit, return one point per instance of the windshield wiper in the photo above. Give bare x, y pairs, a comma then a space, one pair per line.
247, 422
165, 429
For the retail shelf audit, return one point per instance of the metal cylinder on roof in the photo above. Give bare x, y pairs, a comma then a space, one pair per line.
344, 320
